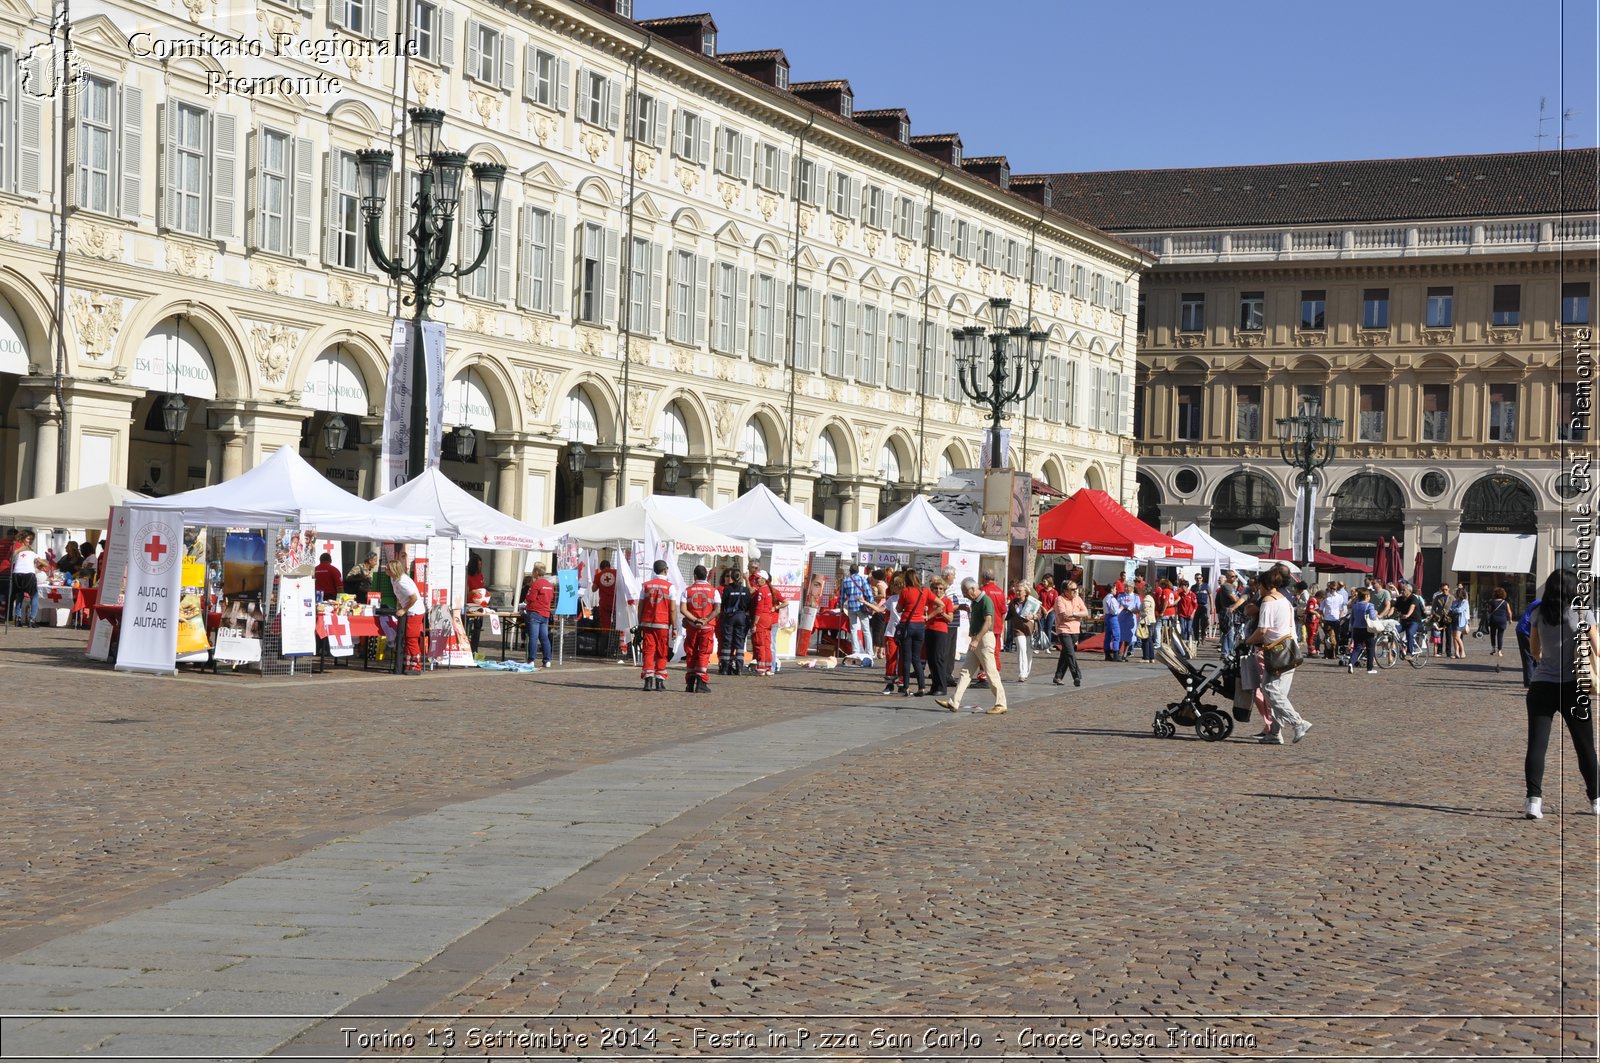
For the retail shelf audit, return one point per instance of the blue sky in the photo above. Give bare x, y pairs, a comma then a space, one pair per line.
1076, 85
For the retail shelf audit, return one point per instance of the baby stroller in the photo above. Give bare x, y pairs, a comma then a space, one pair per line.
1211, 723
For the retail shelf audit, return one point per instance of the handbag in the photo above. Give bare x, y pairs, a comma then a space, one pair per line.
1283, 655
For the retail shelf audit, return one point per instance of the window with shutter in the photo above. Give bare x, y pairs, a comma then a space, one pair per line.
702, 298
727, 161
725, 303
479, 284
680, 307
841, 202
485, 48
346, 246
272, 191
741, 312
833, 345
301, 195
610, 277
869, 353
764, 347
541, 81
637, 297
801, 339
591, 274
95, 187
8, 120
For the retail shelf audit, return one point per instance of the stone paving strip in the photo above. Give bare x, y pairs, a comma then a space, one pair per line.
309, 935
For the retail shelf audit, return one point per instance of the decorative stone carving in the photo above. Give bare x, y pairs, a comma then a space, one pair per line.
94, 240
835, 391
802, 433
355, 61
277, 25
1191, 339
482, 320
536, 387
1311, 339
196, 9
274, 349
724, 369
268, 277
728, 191
985, 279
535, 330
767, 205
343, 292
189, 259
1010, 286
959, 269
841, 229
688, 177
425, 81
1055, 302
902, 251
1248, 339
808, 216
1504, 335
1373, 337
589, 341
486, 104
864, 433
638, 403
96, 317
722, 413
1438, 337
594, 143
874, 241
543, 126
683, 360
771, 379
10, 221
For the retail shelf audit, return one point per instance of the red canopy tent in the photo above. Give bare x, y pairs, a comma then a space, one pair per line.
1091, 522
1323, 562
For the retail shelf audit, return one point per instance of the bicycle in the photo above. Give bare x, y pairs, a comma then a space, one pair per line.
1418, 657
1386, 649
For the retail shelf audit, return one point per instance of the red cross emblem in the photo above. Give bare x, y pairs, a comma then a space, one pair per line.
54, 595
156, 549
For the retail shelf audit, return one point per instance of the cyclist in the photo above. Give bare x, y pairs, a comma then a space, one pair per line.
1410, 612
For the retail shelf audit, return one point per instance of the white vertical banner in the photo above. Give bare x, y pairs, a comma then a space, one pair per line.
112, 575
397, 409
149, 637
297, 613
1304, 532
433, 356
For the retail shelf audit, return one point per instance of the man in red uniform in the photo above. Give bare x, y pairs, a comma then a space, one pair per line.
605, 585
700, 609
327, 578
766, 609
658, 615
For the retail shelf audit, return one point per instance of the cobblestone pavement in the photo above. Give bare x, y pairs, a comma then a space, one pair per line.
1369, 892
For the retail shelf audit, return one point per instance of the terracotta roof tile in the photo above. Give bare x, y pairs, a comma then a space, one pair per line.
764, 56
1450, 186
804, 86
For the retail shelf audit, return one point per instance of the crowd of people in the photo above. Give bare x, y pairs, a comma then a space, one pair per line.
25, 572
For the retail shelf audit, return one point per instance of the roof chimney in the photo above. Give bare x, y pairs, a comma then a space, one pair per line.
770, 66
892, 122
835, 96
698, 33
996, 169
946, 147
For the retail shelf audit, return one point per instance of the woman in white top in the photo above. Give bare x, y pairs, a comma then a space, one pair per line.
890, 597
1275, 621
25, 578
411, 612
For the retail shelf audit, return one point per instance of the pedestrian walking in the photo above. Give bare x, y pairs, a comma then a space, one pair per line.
1202, 610
1070, 612
956, 622
1566, 648
1228, 602
536, 608
1275, 625
1132, 603
980, 651
1149, 629
1524, 641
1022, 617
860, 606
1460, 615
1497, 621
738, 611
1111, 618
1363, 631
1188, 605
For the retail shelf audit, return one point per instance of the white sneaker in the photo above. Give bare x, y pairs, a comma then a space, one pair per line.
1534, 808
1300, 730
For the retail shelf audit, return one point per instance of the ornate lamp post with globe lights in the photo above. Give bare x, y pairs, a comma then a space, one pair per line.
1307, 442
999, 366
439, 173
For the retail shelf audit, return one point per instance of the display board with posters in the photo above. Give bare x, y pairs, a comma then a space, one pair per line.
194, 642
788, 578
112, 575
244, 581
297, 614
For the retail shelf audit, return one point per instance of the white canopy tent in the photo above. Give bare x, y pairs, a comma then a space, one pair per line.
629, 524
1209, 553
87, 507
285, 490
460, 516
920, 527
684, 507
761, 515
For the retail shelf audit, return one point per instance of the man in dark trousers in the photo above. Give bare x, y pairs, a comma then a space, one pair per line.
738, 608
699, 623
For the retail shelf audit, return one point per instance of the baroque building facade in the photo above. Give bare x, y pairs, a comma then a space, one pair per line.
703, 275
1441, 307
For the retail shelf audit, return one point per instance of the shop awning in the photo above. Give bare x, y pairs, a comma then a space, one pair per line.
1492, 552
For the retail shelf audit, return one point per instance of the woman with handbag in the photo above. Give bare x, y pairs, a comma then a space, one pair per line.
1560, 685
1275, 634
1022, 614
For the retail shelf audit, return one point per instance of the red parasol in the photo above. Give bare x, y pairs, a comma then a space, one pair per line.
1396, 561
1380, 561
1416, 575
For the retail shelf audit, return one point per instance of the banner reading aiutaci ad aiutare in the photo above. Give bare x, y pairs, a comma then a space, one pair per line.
149, 636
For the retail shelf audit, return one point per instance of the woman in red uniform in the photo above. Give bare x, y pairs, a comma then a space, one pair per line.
766, 616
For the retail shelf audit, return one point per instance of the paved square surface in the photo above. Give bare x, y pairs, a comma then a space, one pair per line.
503, 852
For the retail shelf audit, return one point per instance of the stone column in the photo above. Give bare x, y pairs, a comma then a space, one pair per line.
47, 438
369, 460
722, 477
1452, 531
508, 464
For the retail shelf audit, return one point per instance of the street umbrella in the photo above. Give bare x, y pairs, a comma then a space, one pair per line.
1416, 574
1380, 562
1396, 561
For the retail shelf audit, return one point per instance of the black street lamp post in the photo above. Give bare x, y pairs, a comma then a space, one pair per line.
1014, 356
1307, 442
438, 192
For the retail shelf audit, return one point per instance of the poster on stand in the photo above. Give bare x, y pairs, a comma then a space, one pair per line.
149, 637
244, 565
297, 612
788, 577
294, 552
194, 642
111, 581
566, 592
965, 564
